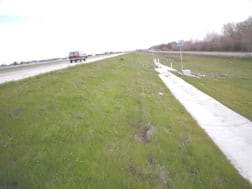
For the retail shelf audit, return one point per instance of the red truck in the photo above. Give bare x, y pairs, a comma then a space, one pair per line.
77, 56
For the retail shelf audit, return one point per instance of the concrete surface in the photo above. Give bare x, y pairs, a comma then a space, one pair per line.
230, 131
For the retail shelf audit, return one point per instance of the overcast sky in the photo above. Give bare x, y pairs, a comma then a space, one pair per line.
37, 29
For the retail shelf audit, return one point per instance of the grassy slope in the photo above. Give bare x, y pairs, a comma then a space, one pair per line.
76, 128
228, 80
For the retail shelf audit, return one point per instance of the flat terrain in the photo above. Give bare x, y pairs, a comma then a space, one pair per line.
111, 124
228, 80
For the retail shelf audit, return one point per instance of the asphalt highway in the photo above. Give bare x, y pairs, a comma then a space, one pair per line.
17, 72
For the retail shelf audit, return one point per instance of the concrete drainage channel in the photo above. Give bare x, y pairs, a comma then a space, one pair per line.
230, 131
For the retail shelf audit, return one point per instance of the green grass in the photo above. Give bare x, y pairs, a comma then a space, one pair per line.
228, 80
84, 127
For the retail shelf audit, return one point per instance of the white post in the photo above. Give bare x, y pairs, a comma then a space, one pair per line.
181, 59
171, 64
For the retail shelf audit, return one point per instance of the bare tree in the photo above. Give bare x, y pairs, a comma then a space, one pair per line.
235, 37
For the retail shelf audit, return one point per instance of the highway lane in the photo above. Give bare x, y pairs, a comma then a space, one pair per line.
209, 53
14, 73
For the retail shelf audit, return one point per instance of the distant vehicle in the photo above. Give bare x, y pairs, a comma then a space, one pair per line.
77, 56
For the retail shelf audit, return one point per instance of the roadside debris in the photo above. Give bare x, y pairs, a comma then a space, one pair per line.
188, 73
161, 94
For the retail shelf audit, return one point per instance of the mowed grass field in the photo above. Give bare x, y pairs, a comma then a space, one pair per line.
229, 80
105, 125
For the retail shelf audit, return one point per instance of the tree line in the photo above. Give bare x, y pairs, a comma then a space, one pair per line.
235, 37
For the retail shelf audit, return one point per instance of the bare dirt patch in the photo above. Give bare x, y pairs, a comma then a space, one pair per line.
153, 172
144, 134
